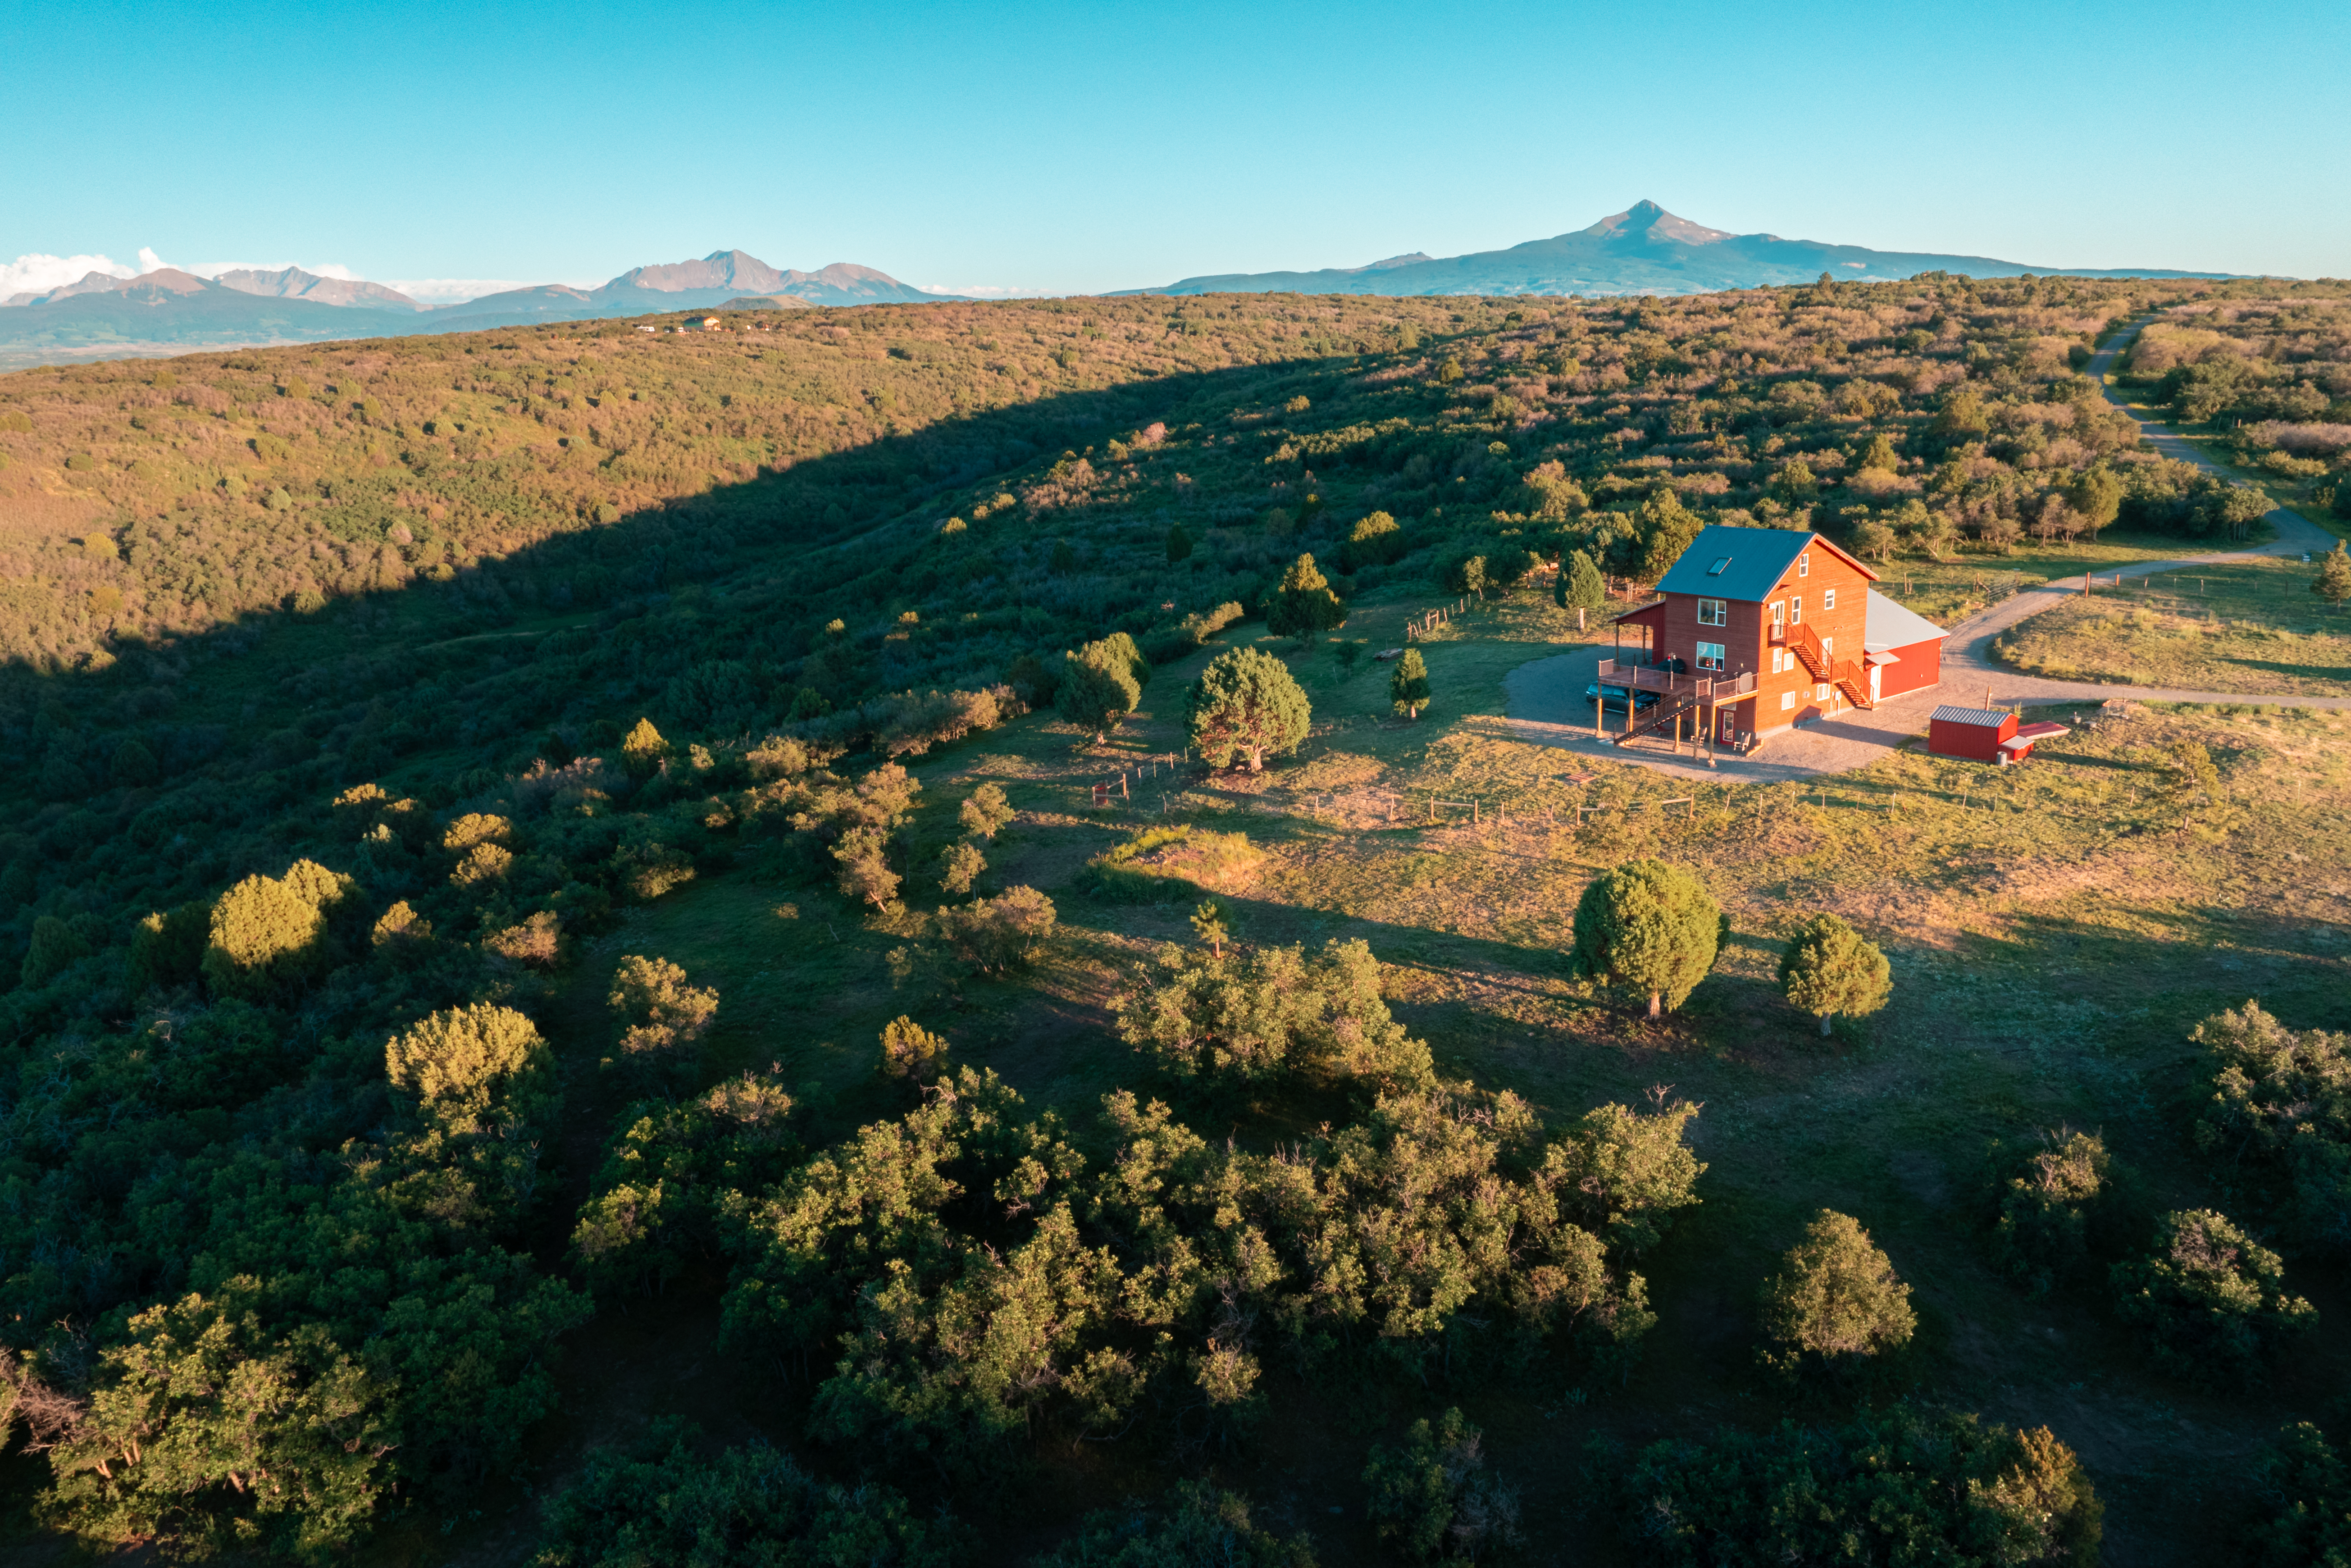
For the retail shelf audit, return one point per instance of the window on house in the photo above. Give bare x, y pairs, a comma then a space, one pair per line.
1796, 608
1820, 694
1804, 565
1709, 655
1778, 613
1828, 599
1786, 701
1713, 612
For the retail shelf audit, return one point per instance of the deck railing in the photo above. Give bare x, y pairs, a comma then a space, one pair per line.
1708, 686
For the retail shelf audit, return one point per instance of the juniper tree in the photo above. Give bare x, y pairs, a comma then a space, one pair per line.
1646, 928
1581, 587
1246, 704
1304, 603
1408, 683
1098, 688
2333, 580
1829, 969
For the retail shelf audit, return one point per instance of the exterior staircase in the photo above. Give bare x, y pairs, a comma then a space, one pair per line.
1668, 712
1845, 675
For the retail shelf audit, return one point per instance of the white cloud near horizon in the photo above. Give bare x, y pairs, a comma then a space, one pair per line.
38, 274
991, 290
456, 290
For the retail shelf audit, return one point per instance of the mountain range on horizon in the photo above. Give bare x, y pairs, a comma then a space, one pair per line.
100, 314
1643, 250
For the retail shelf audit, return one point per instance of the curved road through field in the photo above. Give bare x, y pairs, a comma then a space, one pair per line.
1545, 703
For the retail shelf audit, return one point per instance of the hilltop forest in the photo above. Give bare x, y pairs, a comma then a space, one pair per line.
370, 704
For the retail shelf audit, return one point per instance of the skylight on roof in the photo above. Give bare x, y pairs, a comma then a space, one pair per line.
1719, 567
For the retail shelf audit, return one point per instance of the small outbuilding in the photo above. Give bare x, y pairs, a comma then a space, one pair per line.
1974, 733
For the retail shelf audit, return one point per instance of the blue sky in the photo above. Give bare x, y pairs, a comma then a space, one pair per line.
1073, 148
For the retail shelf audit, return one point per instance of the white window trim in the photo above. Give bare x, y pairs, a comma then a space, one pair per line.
1786, 701
1710, 661
1713, 612
1828, 599
1804, 564
1779, 612
1796, 610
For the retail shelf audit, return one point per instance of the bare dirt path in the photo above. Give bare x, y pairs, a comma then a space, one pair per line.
1546, 706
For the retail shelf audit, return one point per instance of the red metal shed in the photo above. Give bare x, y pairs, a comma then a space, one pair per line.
1974, 733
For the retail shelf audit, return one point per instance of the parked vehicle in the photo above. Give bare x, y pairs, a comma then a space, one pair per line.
1615, 694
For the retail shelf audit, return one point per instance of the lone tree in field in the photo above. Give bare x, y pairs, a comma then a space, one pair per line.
1830, 969
1098, 688
1408, 687
2334, 581
1581, 587
1304, 603
1648, 927
1835, 1296
985, 812
1245, 705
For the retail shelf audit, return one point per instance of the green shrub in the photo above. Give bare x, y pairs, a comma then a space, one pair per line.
1835, 1300
1203, 1527
1904, 1486
2305, 1487
2281, 1110
2049, 1198
662, 1501
269, 934
2211, 1303
1433, 1500
1252, 1014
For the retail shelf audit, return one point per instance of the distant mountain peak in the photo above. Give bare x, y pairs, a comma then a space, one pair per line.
1647, 220
730, 270
1412, 258
293, 283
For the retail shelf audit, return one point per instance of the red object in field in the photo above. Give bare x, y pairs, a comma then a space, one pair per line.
1974, 733
2019, 747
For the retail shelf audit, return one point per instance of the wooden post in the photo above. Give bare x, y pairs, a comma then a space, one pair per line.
1124, 793
1473, 813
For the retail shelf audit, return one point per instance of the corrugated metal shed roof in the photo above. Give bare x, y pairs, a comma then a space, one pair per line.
1990, 719
1734, 563
1889, 625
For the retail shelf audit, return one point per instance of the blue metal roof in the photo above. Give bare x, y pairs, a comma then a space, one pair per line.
1735, 563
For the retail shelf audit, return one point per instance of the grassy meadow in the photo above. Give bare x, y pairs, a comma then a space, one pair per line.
2055, 931
2249, 626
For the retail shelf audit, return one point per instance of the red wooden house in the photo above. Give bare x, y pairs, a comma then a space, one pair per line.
1770, 627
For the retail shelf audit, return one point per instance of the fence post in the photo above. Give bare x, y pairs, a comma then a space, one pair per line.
1473, 813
